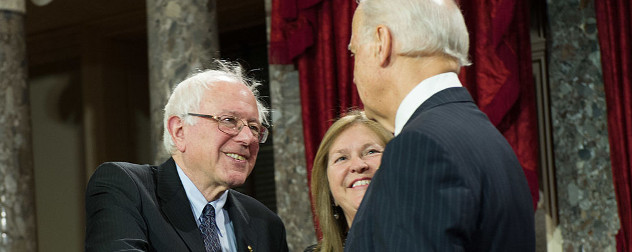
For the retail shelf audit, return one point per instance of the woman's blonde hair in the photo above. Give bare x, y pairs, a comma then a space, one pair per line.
335, 230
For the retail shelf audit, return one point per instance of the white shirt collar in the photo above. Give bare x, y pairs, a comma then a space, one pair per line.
424, 90
222, 220
198, 202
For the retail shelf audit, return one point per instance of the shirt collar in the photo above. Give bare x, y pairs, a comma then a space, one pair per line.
420, 93
196, 198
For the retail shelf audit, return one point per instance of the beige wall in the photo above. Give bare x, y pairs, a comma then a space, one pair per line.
59, 179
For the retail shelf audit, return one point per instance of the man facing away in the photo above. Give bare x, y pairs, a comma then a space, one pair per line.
449, 181
212, 128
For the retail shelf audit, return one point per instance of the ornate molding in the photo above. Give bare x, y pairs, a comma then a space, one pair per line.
41, 2
13, 5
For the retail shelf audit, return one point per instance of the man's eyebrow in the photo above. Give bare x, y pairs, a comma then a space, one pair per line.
237, 114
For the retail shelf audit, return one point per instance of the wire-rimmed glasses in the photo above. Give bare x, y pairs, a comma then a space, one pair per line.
232, 125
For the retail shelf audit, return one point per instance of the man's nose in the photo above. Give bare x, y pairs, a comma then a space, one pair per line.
245, 135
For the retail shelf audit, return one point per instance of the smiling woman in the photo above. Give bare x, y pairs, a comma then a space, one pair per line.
347, 158
353, 159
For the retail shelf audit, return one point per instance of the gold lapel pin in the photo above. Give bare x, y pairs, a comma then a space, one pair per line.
250, 248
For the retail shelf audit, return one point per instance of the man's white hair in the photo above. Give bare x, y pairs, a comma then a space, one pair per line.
188, 94
419, 27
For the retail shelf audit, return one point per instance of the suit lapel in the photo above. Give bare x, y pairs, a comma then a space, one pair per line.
245, 235
176, 206
449, 95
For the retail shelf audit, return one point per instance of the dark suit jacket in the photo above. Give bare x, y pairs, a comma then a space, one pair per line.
145, 208
448, 182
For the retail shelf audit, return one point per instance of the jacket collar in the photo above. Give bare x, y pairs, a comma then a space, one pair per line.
177, 208
420, 93
245, 235
449, 95
175, 205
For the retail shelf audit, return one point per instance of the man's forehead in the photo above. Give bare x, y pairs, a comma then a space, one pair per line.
232, 98
235, 109
228, 88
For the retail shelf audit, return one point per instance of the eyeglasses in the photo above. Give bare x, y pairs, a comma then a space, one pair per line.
232, 126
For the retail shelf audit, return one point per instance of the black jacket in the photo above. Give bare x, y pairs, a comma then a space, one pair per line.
448, 182
145, 208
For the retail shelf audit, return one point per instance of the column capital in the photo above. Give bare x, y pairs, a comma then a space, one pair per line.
41, 2
13, 5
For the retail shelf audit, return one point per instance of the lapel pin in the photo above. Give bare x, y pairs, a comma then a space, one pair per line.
250, 248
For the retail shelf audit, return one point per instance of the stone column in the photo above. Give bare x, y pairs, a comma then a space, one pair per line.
588, 218
290, 175
183, 37
17, 203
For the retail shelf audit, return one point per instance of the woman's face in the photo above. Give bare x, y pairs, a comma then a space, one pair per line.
352, 160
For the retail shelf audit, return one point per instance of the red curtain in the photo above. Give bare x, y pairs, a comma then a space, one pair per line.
501, 79
615, 38
314, 34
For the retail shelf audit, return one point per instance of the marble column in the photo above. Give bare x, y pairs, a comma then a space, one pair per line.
290, 175
183, 38
588, 218
290, 172
17, 203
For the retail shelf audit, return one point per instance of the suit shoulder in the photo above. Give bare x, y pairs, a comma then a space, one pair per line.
120, 170
125, 167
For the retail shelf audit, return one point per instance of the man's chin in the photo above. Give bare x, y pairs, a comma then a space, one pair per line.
379, 119
236, 179
372, 115
369, 113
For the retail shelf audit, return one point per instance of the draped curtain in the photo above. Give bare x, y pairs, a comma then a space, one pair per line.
500, 78
314, 34
614, 27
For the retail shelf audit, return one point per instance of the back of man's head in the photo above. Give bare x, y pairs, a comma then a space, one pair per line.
419, 27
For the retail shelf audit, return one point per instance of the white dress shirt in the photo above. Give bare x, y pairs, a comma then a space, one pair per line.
222, 220
424, 90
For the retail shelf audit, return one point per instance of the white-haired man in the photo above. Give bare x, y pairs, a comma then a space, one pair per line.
213, 128
449, 181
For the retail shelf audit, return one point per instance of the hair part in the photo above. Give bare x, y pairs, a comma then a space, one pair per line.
335, 230
188, 94
419, 27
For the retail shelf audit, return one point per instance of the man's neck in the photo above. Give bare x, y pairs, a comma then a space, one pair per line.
408, 72
405, 74
202, 182
213, 193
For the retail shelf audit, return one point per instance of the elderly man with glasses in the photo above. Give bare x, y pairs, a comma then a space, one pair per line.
213, 127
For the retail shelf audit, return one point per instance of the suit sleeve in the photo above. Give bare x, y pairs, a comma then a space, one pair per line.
419, 200
113, 218
283, 238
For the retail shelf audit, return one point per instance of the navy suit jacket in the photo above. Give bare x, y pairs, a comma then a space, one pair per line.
448, 182
134, 207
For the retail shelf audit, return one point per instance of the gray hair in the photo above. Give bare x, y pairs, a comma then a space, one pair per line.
187, 95
422, 27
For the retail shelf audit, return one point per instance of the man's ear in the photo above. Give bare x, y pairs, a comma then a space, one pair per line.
384, 45
176, 130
